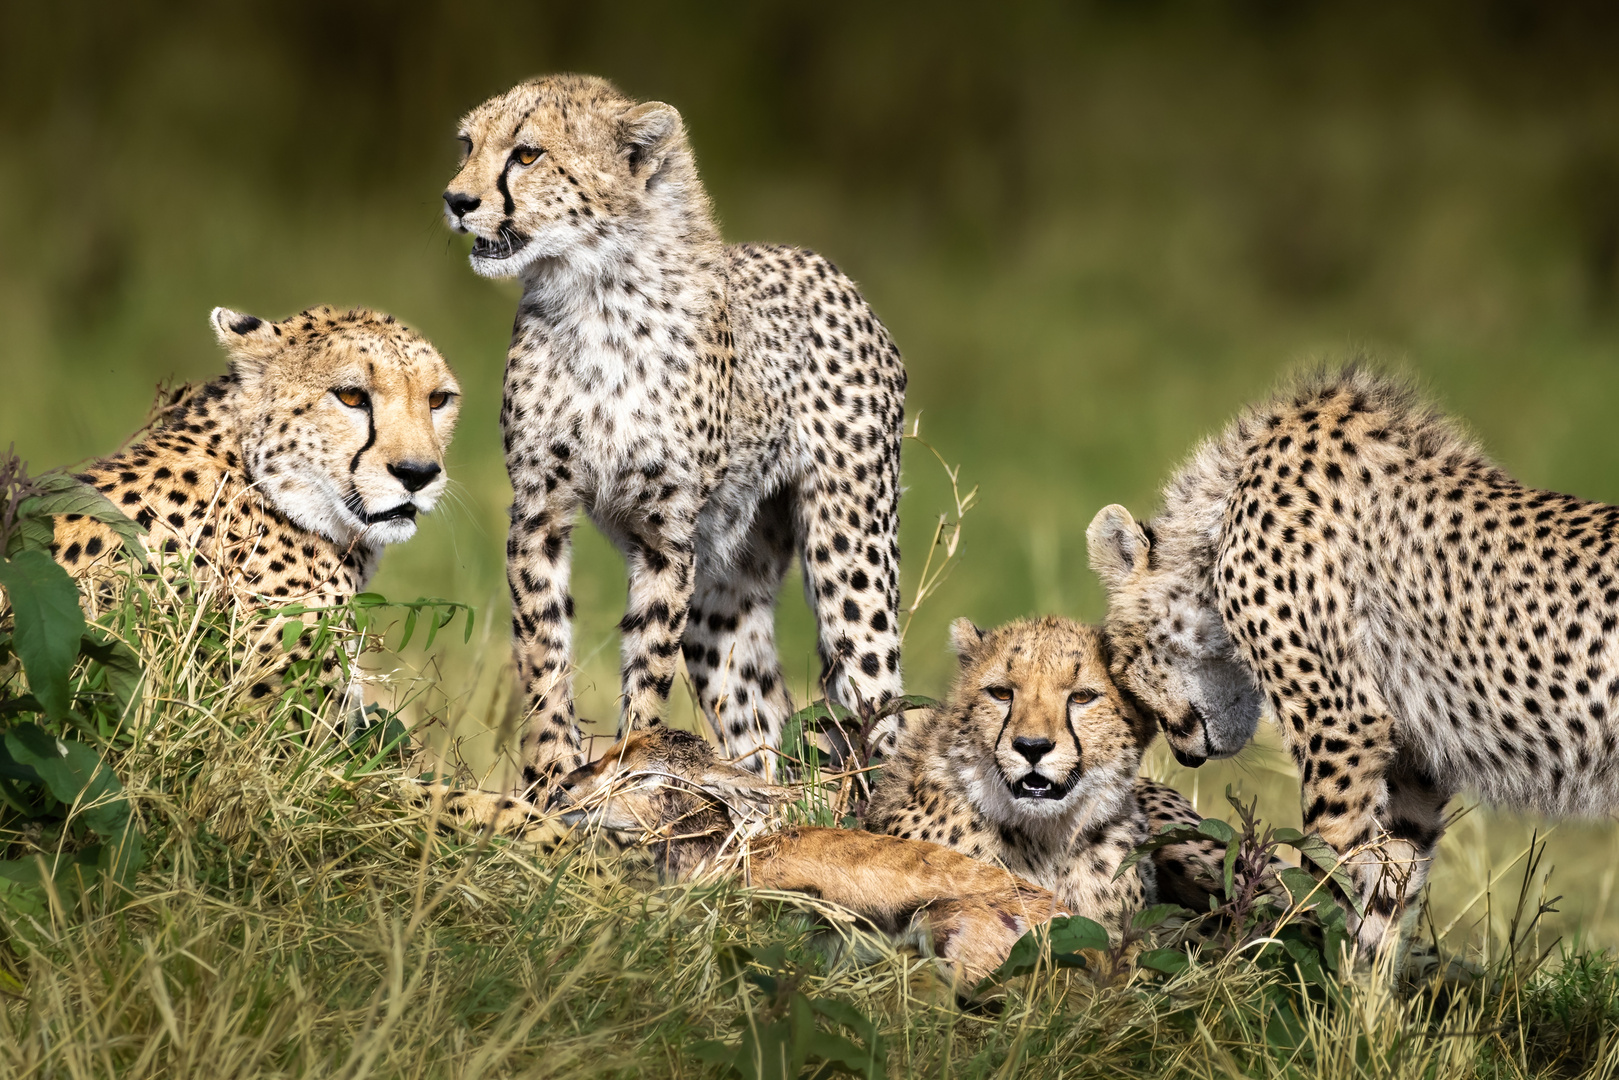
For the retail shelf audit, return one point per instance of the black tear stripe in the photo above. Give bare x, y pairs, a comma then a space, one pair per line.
505, 192
370, 436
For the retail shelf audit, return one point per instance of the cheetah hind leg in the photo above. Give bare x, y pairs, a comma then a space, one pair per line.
730, 642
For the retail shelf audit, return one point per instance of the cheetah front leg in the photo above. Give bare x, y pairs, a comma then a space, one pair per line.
851, 580
662, 575
1356, 797
730, 642
538, 561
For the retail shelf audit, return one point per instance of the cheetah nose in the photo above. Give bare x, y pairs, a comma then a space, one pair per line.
461, 204
415, 475
1032, 749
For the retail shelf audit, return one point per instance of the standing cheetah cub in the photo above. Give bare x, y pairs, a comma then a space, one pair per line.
1032, 764
1419, 621
714, 409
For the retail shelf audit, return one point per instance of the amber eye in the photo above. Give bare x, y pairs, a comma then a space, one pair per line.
526, 155
999, 693
1083, 697
438, 399
353, 397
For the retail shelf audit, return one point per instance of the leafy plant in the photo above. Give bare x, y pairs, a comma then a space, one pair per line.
787, 1033
56, 786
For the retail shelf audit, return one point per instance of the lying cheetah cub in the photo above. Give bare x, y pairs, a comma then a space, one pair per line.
715, 410
283, 480
1032, 763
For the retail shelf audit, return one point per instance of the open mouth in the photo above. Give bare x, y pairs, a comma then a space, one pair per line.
507, 242
403, 512
1035, 786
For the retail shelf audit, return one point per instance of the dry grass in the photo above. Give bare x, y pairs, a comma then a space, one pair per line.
294, 920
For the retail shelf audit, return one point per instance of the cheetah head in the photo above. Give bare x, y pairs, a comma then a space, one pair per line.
1167, 647
558, 167
660, 781
344, 418
1042, 733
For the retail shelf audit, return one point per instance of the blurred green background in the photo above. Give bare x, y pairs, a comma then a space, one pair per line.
1094, 229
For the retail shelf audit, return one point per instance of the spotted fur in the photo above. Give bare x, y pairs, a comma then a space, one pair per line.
264, 483
1032, 763
1419, 621
715, 410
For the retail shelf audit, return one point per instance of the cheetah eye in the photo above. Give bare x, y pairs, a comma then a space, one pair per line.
999, 693
438, 399
527, 155
1083, 697
466, 147
353, 397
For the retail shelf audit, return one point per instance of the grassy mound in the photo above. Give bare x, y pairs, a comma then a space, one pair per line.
291, 918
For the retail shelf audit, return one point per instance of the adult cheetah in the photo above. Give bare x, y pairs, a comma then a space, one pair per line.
283, 480
1032, 763
1420, 622
714, 409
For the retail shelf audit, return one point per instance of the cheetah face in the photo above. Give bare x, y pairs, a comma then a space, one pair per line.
1043, 732
1168, 648
551, 168
657, 780
345, 417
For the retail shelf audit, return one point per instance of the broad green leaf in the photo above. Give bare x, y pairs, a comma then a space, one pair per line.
119, 662
47, 625
21, 889
1156, 915
64, 493
1172, 833
1071, 933
1300, 885
1168, 961
410, 628
74, 774
1215, 829
1062, 939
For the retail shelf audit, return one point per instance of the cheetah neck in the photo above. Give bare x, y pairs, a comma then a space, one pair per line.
635, 299
1187, 533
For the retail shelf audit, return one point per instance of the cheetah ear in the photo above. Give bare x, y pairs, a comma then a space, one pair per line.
966, 639
1118, 546
249, 339
647, 134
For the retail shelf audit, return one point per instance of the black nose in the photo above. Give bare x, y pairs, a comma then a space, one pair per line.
1032, 749
415, 475
461, 204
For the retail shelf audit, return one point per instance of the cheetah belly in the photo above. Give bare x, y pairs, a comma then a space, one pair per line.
1511, 744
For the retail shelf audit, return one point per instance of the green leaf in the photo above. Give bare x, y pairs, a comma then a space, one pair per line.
1215, 829
1156, 915
1172, 833
1300, 885
1167, 961
119, 662
410, 628
48, 625
1062, 939
64, 493
1231, 852
74, 774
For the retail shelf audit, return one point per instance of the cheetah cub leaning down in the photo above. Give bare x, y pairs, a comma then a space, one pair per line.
1032, 763
715, 410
